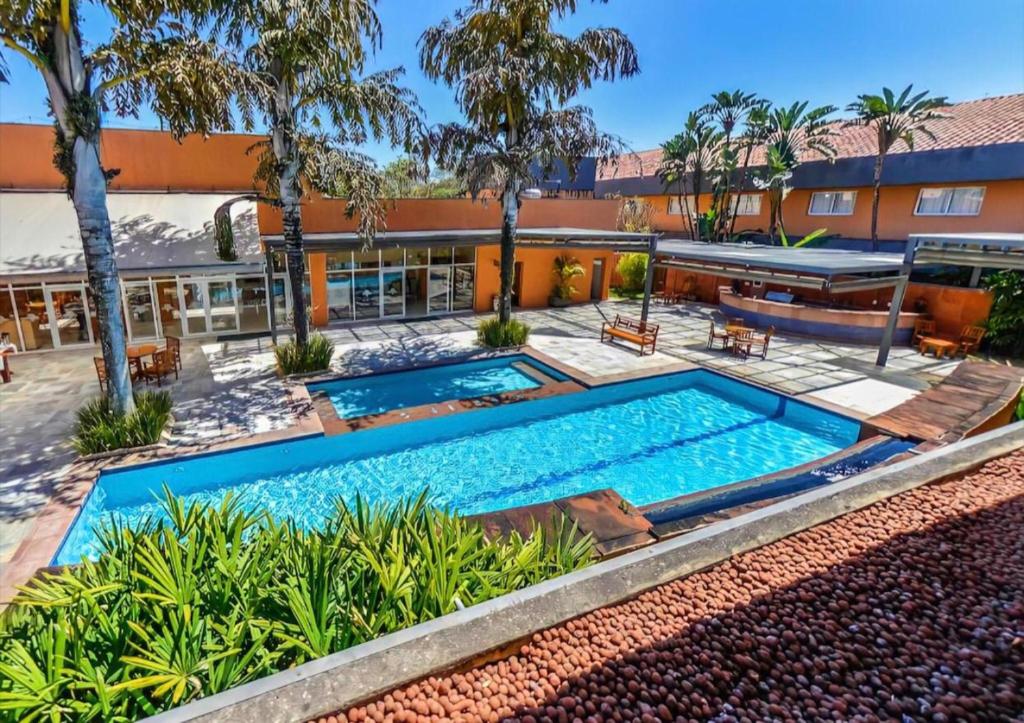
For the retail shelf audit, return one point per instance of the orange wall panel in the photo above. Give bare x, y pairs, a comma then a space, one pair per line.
148, 160
318, 288
1002, 210
537, 278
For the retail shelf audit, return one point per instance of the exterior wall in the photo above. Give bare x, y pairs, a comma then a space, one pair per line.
1002, 210
148, 160
324, 215
537, 279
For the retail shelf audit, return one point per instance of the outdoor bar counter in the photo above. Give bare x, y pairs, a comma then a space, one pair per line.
851, 325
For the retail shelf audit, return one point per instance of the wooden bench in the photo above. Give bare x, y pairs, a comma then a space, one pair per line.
633, 330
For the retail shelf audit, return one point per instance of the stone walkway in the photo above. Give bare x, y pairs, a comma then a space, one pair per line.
230, 389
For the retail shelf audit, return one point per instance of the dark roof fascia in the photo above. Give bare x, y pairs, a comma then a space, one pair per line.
974, 164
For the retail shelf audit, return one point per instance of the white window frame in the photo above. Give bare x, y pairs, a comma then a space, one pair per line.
737, 205
949, 201
832, 211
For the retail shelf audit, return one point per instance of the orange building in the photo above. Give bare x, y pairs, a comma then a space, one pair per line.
435, 257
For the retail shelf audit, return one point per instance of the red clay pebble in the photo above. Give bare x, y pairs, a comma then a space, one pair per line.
909, 609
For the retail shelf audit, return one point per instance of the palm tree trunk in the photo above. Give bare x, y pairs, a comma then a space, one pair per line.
286, 154
89, 196
739, 187
509, 222
291, 218
875, 195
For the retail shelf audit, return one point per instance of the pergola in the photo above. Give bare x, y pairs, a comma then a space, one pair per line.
838, 271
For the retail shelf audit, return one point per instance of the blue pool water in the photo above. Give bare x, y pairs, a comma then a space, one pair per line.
650, 440
360, 396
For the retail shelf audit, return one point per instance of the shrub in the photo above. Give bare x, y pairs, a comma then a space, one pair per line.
633, 270
1006, 320
314, 357
213, 596
565, 269
98, 428
494, 334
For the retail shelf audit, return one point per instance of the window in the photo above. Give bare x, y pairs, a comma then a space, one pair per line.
832, 203
674, 207
746, 204
950, 201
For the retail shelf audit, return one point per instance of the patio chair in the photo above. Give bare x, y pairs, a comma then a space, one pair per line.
101, 372
752, 345
174, 348
714, 334
970, 339
740, 340
923, 328
162, 365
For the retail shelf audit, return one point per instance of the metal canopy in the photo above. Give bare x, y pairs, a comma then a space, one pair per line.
825, 263
978, 250
553, 236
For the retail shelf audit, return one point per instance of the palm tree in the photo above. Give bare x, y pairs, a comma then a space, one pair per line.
302, 64
731, 110
755, 135
150, 57
514, 77
791, 135
690, 156
894, 119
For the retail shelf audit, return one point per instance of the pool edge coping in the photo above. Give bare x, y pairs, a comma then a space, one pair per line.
362, 672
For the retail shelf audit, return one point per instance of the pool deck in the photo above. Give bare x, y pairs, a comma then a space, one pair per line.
229, 395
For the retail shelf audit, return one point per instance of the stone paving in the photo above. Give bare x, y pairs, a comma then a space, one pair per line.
229, 389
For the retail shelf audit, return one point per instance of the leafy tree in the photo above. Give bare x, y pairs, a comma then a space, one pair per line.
407, 177
150, 57
791, 134
1006, 319
633, 270
894, 119
565, 269
302, 64
514, 77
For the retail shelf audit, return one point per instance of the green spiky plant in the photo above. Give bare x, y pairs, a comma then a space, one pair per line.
205, 598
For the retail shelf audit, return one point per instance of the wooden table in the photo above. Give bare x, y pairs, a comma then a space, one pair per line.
939, 347
735, 332
135, 356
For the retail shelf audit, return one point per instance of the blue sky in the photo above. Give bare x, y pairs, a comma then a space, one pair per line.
825, 51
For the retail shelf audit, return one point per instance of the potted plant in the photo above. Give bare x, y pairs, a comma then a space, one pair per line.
566, 269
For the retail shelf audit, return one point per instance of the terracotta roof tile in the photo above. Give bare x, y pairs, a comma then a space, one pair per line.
983, 122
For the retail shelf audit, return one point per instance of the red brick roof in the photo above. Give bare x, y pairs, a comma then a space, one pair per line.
983, 122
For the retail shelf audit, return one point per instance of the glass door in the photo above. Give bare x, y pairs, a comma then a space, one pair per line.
437, 289
210, 305
68, 309
140, 310
223, 309
393, 296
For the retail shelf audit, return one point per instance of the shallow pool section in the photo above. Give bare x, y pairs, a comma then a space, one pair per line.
650, 440
378, 393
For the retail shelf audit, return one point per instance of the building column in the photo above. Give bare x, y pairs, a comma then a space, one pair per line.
649, 278
268, 270
317, 263
898, 293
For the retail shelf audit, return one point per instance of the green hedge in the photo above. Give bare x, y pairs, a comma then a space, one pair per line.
314, 357
494, 334
100, 429
214, 597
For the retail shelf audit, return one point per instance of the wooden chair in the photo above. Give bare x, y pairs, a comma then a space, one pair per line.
715, 334
746, 346
923, 328
101, 372
174, 348
970, 339
163, 365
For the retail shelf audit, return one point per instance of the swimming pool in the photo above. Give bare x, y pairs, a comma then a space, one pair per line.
377, 393
650, 440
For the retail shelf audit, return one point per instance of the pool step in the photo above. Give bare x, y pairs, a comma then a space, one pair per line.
533, 372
